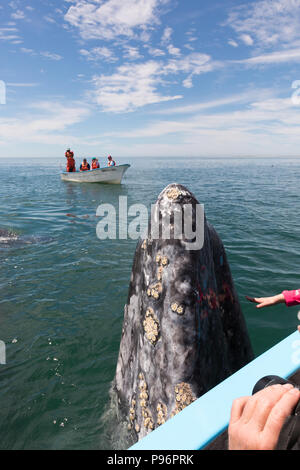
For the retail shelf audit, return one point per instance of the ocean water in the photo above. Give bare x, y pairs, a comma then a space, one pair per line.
62, 291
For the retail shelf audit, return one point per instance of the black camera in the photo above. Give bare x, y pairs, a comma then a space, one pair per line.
271, 380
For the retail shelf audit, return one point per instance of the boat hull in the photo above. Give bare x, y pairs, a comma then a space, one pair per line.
109, 175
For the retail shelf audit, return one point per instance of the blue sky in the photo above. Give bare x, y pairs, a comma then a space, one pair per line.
150, 77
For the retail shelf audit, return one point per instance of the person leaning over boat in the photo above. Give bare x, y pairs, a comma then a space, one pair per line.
85, 166
290, 298
111, 162
95, 164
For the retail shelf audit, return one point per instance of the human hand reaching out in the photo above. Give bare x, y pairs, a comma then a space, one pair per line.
267, 301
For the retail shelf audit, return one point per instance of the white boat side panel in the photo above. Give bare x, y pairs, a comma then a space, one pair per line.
110, 175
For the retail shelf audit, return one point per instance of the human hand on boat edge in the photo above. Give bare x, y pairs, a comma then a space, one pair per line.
290, 298
256, 421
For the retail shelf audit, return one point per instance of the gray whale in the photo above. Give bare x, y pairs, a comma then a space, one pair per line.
183, 330
10, 238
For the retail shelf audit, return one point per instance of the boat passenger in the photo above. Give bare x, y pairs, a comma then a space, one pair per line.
95, 164
111, 162
85, 166
71, 165
70, 161
69, 154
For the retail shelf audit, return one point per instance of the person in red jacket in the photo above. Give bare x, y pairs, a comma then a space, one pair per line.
95, 164
71, 166
85, 166
289, 298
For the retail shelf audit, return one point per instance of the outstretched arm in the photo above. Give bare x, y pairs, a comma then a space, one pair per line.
267, 301
290, 298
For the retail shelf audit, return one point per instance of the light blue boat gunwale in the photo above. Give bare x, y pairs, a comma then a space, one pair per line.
201, 422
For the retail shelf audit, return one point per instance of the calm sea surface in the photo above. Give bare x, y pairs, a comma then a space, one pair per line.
62, 291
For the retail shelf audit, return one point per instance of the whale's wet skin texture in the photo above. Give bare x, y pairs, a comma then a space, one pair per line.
183, 330
10, 238
7, 236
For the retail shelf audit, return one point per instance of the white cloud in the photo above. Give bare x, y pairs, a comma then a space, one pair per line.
241, 98
131, 52
21, 85
166, 37
188, 82
26, 50
9, 34
135, 85
268, 22
49, 19
18, 15
188, 46
99, 53
130, 87
233, 43
155, 52
113, 18
263, 127
46, 54
174, 50
51, 55
277, 57
46, 125
247, 39
194, 64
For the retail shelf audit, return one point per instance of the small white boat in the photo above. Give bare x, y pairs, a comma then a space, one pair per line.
108, 175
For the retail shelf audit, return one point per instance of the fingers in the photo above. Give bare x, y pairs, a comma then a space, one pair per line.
262, 301
255, 300
281, 410
256, 421
258, 406
237, 409
266, 400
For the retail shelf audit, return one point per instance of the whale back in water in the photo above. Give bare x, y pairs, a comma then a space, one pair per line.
183, 330
10, 238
